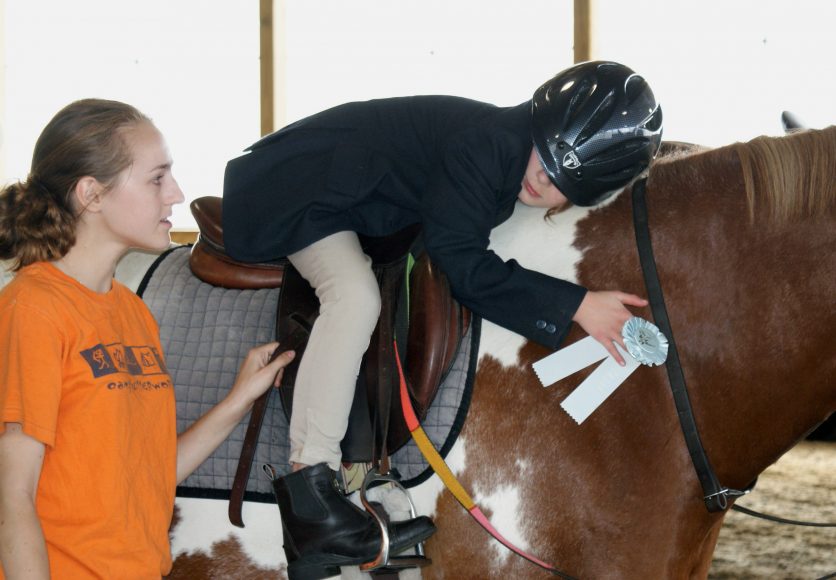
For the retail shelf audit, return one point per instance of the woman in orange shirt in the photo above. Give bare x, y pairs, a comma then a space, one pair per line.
89, 455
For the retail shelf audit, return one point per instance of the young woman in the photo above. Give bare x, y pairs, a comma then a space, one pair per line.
457, 167
89, 456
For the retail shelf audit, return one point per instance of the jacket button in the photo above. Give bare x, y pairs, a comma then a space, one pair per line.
541, 324
551, 329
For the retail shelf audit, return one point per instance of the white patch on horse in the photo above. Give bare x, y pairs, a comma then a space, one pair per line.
504, 503
132, 267
204, 522
549, 251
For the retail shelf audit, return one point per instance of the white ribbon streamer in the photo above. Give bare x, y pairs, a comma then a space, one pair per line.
646, 343
599, 385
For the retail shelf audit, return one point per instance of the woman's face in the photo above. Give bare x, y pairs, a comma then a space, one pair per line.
137, 209
537, 189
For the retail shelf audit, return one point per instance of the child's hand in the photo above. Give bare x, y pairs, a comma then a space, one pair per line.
603, 314
258, 373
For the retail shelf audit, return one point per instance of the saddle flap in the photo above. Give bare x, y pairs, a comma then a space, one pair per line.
436, 327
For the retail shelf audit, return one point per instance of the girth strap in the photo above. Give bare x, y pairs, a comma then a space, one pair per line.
382, 373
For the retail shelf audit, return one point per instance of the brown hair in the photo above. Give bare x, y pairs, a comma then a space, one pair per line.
86, 138
790, 177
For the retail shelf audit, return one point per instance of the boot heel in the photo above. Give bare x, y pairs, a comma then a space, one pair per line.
301, 570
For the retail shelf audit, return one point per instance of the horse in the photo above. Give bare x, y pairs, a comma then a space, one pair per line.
743, 237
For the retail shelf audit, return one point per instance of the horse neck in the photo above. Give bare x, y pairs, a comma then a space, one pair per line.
746, 315
749, 316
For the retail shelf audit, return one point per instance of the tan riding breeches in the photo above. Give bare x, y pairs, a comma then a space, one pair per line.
349, 299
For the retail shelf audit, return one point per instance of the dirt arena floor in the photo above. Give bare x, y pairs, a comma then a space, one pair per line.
801, 486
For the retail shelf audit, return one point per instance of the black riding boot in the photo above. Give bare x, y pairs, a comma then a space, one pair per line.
323, 530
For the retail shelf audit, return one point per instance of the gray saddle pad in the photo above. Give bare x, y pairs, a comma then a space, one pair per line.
206, 332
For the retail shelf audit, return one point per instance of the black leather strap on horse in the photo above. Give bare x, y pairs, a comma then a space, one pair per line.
715, 495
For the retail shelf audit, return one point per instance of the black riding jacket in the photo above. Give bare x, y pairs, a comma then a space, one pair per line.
451, 164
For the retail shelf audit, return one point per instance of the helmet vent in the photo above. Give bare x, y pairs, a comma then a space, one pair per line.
600, 117
619, 178
634, 87
580, 95
623, 153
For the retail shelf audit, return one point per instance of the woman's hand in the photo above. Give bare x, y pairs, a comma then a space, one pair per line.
260, 370
257, 374
603, 314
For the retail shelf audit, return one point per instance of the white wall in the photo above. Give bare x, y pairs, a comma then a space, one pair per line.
337, 51
725, 70
191, 65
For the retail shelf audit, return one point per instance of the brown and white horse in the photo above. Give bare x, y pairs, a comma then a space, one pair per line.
744, 240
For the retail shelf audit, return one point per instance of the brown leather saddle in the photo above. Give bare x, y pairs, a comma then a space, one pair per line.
433, 327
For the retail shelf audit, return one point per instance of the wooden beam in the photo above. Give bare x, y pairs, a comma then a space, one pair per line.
266, 59
184, 236
583, 30
3, 177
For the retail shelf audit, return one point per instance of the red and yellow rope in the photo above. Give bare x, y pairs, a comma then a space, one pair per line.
441, 469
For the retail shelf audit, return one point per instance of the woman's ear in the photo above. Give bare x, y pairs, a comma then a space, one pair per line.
87, 194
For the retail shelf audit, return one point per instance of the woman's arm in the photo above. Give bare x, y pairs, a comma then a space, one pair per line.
257, 374
22, 546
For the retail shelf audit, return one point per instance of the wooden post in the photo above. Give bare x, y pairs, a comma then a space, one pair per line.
583, 30
266, 60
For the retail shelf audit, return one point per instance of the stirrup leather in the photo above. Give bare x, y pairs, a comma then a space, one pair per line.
384, 560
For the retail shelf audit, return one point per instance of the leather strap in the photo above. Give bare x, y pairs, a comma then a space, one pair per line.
386, 376
245, 461
715, 495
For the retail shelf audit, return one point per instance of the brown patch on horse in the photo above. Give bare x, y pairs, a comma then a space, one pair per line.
577, 493
227, 559
499, 456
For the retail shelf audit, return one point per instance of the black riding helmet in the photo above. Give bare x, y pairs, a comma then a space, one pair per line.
595, 127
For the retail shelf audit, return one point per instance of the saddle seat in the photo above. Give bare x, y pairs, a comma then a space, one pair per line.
436, 326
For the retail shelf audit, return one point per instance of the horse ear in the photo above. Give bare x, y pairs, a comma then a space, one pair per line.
791, 122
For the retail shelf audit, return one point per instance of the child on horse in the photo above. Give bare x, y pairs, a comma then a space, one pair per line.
457, 167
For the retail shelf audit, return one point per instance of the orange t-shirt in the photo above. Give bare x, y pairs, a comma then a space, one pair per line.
84, 374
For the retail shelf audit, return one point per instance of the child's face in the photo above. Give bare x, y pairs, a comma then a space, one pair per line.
537, 189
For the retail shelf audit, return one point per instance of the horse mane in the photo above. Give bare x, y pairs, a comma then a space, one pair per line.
786, 178
795, 175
